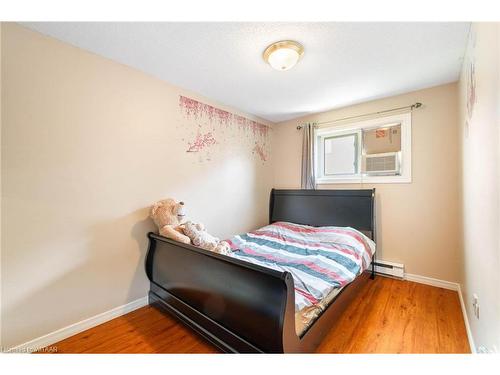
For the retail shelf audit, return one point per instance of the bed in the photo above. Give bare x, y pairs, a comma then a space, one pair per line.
244, 304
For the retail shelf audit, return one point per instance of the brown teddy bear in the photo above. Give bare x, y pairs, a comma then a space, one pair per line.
167, 215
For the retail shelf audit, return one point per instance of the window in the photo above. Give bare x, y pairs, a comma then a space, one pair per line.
376, 151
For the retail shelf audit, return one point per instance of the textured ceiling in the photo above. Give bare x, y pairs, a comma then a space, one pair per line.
343, 64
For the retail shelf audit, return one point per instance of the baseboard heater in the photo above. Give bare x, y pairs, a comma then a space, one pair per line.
384, 267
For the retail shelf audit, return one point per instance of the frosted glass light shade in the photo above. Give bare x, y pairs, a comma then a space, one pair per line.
283, 55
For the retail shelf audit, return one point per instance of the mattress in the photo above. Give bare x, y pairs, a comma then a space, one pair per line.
322, 260
307, 316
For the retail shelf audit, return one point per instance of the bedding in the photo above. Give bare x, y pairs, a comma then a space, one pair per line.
305, 317
322, 260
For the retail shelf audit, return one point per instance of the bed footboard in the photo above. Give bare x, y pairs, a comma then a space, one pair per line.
238, 306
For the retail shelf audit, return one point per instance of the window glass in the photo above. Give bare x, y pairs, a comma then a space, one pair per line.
341, 155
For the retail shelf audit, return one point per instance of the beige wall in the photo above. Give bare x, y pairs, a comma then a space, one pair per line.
480, 182
417, 222
1, 342
87, 145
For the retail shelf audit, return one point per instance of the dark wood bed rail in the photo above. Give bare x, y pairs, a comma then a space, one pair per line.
243, 307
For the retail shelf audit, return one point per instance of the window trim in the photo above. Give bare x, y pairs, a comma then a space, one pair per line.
406, 158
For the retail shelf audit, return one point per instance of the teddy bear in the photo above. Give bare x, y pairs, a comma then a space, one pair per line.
201, 238
168, 215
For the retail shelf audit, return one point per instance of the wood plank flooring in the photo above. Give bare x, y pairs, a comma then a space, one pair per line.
388, 316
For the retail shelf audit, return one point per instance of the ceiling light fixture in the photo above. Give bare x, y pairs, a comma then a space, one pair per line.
283, 55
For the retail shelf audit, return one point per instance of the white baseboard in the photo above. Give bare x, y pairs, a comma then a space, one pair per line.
452, 286
466, 320
431, 281
73, 329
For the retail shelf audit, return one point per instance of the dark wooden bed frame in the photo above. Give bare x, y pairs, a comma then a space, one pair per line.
241, 307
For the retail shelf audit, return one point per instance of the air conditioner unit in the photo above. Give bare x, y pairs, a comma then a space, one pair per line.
382, 164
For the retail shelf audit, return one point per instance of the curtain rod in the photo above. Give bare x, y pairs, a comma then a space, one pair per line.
410, 107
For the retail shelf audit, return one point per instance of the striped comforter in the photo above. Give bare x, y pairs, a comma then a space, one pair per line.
319, 258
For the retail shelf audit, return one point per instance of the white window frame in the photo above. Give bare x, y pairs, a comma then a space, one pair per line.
356, 127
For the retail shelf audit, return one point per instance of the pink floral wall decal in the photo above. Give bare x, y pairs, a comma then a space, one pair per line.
215, 132
470, 78
259, 150
201, 142
471, 88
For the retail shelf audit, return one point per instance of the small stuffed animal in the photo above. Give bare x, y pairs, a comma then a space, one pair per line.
167, 215
201, 238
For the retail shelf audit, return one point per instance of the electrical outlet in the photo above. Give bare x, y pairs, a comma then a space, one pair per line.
475, 305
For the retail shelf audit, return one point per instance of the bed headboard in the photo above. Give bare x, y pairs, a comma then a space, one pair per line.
342, 208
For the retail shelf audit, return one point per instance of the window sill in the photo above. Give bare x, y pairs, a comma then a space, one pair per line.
365, 180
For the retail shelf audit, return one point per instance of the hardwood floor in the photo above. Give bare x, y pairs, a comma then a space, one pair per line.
394, 316
388, 316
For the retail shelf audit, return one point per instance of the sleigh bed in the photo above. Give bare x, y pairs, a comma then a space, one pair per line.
246, 307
